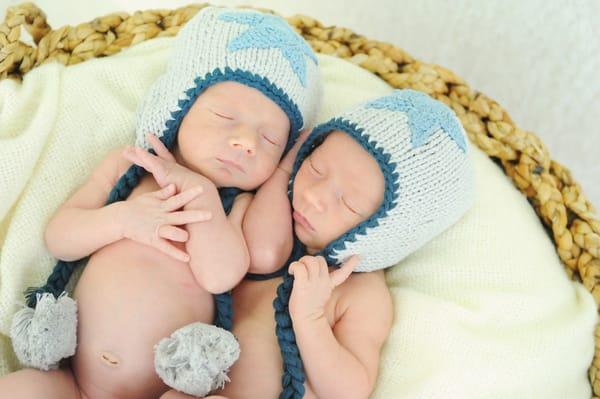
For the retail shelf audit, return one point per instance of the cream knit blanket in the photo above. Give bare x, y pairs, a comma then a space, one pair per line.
483, 311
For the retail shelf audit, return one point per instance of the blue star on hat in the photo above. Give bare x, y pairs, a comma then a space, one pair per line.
425, 116
269, 31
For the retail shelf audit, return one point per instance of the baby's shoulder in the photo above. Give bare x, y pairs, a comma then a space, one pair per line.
361, 289
366, 281
364, 301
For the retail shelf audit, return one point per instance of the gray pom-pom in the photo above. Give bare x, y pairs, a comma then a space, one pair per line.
196, 358
41, 337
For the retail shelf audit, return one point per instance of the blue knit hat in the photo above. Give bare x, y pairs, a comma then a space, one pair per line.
220, 44
422, 151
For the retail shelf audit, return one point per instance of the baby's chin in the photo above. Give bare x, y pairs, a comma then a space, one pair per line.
223, 178
308, 239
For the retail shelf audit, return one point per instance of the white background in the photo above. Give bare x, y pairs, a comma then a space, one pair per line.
540, 59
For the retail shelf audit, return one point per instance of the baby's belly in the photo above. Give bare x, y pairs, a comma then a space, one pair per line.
258, 372
129, 297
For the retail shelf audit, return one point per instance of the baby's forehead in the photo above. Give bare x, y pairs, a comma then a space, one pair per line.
342, 155
245, 99
338, 143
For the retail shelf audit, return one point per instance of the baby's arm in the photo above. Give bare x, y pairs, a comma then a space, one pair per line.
83, 224
268, 222
350, 350
218, 253
267, 225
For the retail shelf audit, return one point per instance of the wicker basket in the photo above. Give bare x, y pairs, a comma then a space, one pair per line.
566, 213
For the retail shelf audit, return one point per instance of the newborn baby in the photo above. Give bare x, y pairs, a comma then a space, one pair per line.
239, 87
380, 181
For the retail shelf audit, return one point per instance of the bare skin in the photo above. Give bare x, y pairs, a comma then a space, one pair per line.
138, 287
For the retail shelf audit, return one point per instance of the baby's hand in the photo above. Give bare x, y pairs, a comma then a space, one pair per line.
287, 163
150, 219
313, 285
163, 165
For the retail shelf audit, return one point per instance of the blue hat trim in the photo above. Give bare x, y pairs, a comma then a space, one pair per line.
391, 177
260, 83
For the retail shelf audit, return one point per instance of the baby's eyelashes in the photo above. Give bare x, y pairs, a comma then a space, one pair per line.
349, 207
315, 170
221, 114
270, 140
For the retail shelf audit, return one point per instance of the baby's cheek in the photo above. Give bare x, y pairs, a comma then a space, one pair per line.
257, 175
267, 166
336, 226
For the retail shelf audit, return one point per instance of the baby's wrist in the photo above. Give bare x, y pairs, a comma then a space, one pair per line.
303, 319
121, 213
284, 170
196, 179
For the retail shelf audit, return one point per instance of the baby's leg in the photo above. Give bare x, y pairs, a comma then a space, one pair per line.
173, 394
34, 384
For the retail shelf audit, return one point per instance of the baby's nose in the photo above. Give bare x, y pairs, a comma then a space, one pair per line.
314, 197
244, 143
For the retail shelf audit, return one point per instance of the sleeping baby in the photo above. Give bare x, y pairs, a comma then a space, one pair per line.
239, 87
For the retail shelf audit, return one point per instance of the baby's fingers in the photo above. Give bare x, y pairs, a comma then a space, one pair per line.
303, 135
169, 249
298, 270
185, 217
159, 147
340, 275
142, 158
173, 233
152, 161
181, 199
129, 154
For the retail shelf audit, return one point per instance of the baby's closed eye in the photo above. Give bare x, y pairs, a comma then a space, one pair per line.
350, 207
221, 114
269, 138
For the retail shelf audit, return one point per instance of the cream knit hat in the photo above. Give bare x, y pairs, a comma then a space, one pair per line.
219, 44
422, 151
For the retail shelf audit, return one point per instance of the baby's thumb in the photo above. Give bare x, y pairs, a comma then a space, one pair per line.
340, 275
165, 192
